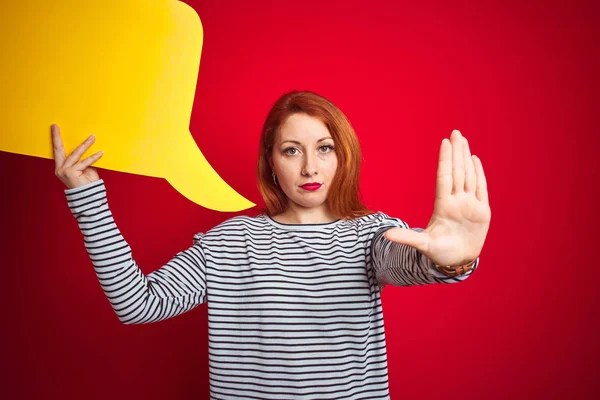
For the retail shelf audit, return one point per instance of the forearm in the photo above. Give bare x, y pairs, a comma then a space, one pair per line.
135, 298
401, 265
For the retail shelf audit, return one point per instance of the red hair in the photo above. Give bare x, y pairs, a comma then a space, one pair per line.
344, 194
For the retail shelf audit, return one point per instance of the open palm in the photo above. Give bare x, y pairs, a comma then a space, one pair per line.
461, 212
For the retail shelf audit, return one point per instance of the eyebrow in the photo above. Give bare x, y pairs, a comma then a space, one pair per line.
296, 142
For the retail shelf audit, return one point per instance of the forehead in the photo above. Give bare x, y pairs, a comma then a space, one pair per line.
302, 127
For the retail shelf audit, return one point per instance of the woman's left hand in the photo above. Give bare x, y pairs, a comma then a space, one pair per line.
461, 212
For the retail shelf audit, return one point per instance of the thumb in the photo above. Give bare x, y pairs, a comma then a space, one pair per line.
409, 237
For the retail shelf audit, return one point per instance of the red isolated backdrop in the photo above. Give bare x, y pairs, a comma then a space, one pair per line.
518, 79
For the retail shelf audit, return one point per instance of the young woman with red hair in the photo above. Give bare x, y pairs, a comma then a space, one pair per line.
293, 294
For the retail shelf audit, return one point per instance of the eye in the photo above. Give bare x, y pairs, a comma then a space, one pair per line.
289, 150
326, 148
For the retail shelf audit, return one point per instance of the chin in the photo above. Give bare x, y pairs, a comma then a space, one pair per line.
312, 204
306, 199
308, 203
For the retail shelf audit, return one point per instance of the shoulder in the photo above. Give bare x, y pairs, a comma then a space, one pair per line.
371, 226
377, 220
241, 221
233, 226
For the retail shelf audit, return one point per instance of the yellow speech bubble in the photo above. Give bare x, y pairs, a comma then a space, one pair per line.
124, 70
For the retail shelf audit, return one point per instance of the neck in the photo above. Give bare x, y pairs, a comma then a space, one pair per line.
300, 215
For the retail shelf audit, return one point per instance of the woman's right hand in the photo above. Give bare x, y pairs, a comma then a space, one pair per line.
71, 171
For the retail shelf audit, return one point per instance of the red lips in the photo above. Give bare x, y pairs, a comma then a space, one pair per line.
311, 186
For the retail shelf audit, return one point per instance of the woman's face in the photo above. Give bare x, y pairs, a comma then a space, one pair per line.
303, 153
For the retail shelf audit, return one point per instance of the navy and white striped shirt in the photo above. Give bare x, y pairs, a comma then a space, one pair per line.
294, 310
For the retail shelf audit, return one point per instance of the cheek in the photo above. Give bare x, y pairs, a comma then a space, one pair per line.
332, 167
278, 164
286, 169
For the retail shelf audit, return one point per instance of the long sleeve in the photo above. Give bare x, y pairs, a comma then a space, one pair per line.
177, 287
401, 265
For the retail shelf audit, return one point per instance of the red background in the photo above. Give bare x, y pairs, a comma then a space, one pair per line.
517, 80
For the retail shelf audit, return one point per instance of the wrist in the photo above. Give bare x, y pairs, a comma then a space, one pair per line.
458, 270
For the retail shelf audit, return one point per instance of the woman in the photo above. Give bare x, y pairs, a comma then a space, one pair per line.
293, 294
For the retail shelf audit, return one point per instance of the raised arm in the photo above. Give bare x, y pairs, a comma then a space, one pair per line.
456, 232
177, 287
401, 265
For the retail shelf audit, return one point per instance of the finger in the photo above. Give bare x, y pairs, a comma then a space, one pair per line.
470, 178
57, 146
78, 152
481, 192
83, 164
458, 169
443, 187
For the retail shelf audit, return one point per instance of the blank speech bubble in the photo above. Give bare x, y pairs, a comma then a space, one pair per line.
124, 70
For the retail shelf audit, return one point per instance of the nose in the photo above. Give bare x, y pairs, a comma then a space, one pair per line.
310, 165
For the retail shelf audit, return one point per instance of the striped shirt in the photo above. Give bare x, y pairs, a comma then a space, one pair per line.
294, 310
